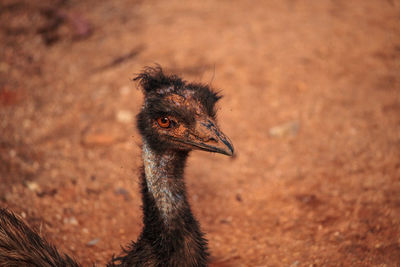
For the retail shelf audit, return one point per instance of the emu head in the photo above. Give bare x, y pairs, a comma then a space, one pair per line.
177, 115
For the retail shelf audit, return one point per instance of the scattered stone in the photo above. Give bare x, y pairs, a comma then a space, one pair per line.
123, 192
93, 242
33, 186
227, 220
284, 130
125, 116
71, 220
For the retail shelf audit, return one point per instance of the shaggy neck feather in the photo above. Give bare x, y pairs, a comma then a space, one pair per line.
164, 180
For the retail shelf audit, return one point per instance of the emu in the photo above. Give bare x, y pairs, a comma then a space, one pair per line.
176, 117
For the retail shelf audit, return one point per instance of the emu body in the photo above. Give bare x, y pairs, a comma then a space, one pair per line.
21, 246
176, 118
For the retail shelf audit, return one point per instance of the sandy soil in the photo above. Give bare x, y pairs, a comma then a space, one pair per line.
312, 105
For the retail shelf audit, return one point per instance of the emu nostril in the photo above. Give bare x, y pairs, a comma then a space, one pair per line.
213, 139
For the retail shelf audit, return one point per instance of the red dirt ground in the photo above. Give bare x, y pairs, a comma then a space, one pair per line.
312, 105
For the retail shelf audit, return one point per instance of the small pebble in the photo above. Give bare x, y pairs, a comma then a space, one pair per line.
71, 220
33, 186
287, 129
125, 116
123, 192
93, 242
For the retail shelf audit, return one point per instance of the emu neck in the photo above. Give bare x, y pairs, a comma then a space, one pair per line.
171, 235
164, 180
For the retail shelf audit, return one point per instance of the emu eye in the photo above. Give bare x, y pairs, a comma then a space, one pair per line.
164, 122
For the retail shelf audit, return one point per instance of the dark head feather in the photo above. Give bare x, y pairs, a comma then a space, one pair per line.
154, 82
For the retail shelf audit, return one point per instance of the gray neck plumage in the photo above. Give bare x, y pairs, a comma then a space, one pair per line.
170, 230
164, 180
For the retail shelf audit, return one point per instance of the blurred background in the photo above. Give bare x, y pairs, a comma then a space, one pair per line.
311, 102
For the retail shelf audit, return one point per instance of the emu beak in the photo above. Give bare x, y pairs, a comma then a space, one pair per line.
207, 136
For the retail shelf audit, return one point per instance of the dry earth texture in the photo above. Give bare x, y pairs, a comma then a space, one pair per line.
312, 104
